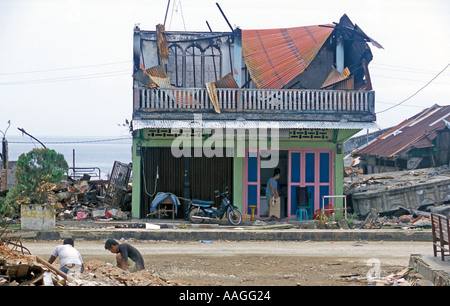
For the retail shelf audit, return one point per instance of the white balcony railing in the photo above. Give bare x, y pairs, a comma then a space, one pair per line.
249, 100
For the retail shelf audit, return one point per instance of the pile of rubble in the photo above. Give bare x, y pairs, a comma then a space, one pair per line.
83, 199
402, 198
29, 270
415, 218
406, 277
98, 273
390, 180
409, 221
404, 218
16, 268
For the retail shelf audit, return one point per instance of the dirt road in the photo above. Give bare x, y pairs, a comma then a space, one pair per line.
258, 263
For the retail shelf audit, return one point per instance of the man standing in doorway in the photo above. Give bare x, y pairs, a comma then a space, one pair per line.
272, 195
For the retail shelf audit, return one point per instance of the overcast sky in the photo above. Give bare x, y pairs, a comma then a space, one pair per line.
66, 65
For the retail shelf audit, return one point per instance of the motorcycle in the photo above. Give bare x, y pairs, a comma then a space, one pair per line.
200, 210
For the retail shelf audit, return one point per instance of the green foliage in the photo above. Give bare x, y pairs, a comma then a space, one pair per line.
40, 165
37, 172
3, 208
9, 206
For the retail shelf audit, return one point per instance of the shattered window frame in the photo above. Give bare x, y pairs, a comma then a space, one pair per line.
193, 66
175, 65
212, 70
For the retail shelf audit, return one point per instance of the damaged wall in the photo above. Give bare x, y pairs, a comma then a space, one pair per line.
37, 216
400, 190
317, 71
194, 58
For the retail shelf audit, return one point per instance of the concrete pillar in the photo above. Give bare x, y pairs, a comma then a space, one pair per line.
237, 56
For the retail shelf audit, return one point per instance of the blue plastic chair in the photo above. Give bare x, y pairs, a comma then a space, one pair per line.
300, 213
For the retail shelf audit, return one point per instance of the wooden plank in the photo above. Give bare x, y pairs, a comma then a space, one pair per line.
51, 267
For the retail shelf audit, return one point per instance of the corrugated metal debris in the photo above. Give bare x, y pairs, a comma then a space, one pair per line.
212, 93
153, 77
336, 77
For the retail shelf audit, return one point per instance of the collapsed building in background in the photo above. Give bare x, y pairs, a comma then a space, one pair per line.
422, 141
405, 170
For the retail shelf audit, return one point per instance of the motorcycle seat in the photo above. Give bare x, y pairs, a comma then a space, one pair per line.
202, 203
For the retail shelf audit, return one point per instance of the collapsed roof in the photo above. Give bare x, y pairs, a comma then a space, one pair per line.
287, 58
418, 131
276, 58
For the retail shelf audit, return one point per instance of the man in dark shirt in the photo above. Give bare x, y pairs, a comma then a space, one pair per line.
123, 252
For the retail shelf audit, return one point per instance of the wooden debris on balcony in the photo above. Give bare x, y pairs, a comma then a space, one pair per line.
226, 81
153, 77
163, 49
212, 92
159, 77
142, 77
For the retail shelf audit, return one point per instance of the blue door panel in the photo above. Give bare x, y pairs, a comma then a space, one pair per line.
310, 166
324, 167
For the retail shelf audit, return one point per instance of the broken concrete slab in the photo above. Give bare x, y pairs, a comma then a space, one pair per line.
432, 268
393, 190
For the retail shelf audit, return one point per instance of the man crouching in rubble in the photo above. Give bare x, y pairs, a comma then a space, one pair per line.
124, 251
69, 258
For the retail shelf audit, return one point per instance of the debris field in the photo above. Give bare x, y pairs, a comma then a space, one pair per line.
18, 269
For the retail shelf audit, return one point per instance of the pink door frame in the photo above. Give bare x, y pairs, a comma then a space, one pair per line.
316, 184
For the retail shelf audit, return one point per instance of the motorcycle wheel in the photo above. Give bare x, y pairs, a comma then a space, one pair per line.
234, 216
193, 212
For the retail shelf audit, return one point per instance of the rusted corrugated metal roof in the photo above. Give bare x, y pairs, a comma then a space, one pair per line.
418, 132
227, 81
275, 56
335, 77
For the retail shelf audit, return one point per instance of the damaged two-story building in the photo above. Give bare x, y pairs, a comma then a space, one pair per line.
217, 109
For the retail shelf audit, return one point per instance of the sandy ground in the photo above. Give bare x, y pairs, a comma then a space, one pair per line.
259, 263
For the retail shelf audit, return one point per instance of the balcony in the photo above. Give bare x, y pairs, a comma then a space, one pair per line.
263, 104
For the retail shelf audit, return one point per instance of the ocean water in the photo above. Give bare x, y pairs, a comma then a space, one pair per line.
100, 151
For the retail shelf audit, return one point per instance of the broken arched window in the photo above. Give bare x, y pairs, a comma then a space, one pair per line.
193, 67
